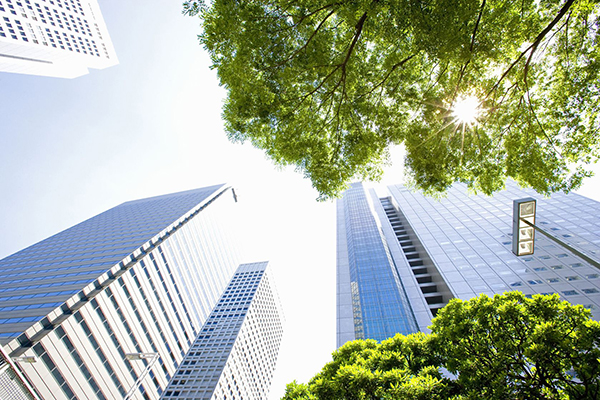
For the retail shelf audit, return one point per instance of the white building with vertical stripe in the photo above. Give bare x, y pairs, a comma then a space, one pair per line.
57, 38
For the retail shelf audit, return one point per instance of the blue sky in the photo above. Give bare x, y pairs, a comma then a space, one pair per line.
70, 149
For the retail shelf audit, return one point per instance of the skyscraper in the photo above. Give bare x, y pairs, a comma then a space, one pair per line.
371, 299
59, 38
405, 255
118, 298
235, 353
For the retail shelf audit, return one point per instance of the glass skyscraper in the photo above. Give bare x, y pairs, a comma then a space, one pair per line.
369, 288
141, 278
405, 255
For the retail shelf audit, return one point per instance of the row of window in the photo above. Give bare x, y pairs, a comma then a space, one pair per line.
115, 341
39, 252
75, 5
176, 287
162, 307
62, 335
44, 285
46, 294
30, 306
38, 269
564, 292
78, 263
41, 353
41, 278
142, 292
169, 297
69, 244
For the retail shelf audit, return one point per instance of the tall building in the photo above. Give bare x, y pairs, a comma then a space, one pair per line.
58, 38
110, 307
402, 256
234, 355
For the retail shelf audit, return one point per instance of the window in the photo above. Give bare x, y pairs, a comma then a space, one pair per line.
569, 292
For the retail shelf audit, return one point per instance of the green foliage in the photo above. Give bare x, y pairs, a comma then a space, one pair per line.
511, 346
398, 368
506, 347
328, 86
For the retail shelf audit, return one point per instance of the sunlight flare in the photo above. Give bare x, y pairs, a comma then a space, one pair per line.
466, 110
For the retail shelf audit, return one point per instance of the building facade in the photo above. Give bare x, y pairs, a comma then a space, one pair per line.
141, 278
234, 355
431, 251
371, 298
58, 38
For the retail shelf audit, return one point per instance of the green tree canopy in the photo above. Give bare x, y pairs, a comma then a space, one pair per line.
505, 347
513, 347
328, 86
402, 367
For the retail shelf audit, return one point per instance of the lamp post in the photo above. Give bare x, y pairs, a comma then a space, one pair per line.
524, 227
153, 357
18, 384
25, 359
523, 234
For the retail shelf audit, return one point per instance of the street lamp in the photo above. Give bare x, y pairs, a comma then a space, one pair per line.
153, 357
140, 356
524, 228
18, 386
523, 233
25, 359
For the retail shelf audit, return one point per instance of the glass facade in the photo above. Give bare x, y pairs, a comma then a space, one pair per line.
459, 246
470, 237
379, 304
40, 278
164, 264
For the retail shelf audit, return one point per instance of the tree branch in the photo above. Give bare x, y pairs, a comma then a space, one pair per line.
476, 26
303, 47
357, 32
533, 46
399, 64
544, 32
464, 67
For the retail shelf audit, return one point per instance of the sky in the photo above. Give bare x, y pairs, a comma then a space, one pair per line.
70, 149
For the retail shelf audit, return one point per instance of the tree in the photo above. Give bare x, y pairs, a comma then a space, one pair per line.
328, 86
398, 368
513, 347
506, 347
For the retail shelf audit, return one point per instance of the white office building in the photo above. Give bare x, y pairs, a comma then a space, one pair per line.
402, 256
235, 354
57, 38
